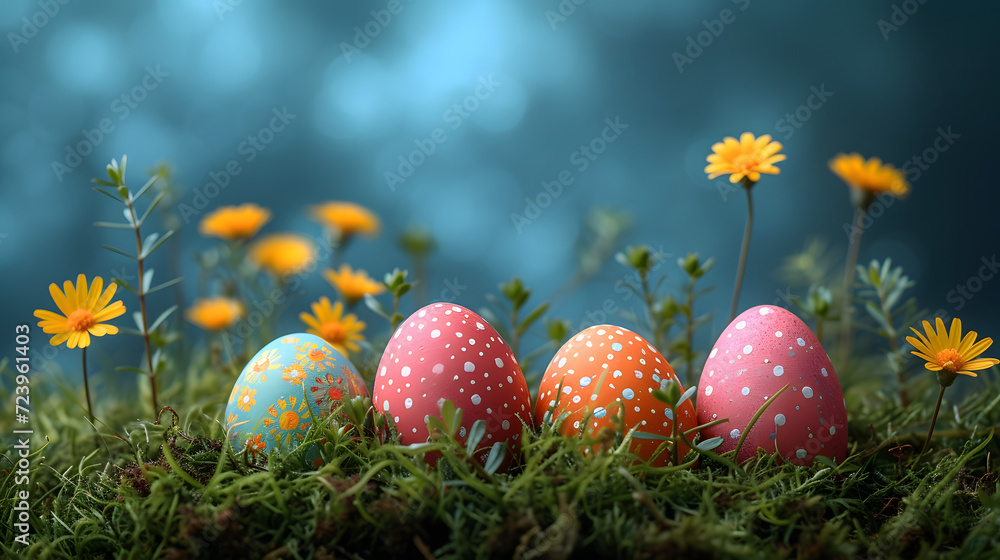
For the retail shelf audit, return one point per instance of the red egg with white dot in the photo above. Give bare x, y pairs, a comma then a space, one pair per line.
605, 367
447, 352
761, 351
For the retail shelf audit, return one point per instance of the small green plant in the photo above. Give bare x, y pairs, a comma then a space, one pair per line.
144, 247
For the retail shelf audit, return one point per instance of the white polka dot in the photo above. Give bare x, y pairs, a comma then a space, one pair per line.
777, 334
765, 310
435, 333
562, 362
747, 349
669, 413
833, 430
779, 371
469, 366
385, 406
584, 381
505, 425
807, 392
779, 419
600, 412
383, 370
628, 394
745, 391
576, 399
800, 342
405, 371
823, 371
407, 403
438, 368
422, 313
801, 453
735, 434
741, 325
638, 374
476, 399
714, 352
708, 391
498, 362
616, 346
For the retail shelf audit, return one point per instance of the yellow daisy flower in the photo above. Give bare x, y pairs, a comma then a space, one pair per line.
747, 157
328, 322
284, 254
346, 218
215, 314
949, 352
246, 399
234, 222
84, 312
294, 374
353, 285
870, 175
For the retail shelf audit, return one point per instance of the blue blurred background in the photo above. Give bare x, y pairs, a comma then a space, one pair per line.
188, 81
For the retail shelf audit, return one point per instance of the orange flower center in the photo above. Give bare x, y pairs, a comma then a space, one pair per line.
80, 320
288, 420
745, 161
950, 360
317, 355
333, 331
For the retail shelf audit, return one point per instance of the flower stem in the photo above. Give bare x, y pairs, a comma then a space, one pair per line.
86, 386
689, 335
930, 432
847, 310
743, 254
141, 292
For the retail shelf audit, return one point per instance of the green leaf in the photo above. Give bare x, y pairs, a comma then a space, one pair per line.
533, 316
147, 280
401, 290
106, 193
163, 317
102, 182
476, 434
497, 453
760, 412
647, 435
125, 285
709, 444
131, 369
152, 205
166, 284
687, 395
112, 225
145, 187
146, 250
876, 313
119, 251
376, 306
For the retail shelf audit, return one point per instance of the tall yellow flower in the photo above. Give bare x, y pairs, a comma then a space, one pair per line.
743, 160
948, 353
84, 312
346, 218
747, 157
866, 180
234, 222
328, 322
870, 175
284, 254
353, 285
215, 314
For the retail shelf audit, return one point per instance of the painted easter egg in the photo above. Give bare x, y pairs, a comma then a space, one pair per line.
604, 368
761, 351
288, 385
447, 352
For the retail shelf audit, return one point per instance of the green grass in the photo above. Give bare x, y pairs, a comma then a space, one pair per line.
176, 489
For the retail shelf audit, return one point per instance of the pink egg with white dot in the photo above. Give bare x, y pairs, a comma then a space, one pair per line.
447, 352
761, 351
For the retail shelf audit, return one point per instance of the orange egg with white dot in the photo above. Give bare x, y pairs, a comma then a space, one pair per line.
604, 369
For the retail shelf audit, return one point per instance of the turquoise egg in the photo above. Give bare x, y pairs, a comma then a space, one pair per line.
291, 383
